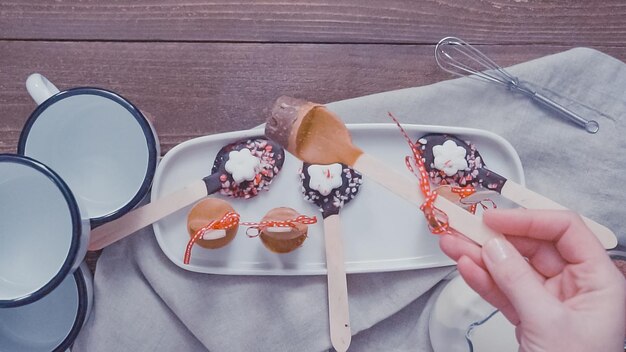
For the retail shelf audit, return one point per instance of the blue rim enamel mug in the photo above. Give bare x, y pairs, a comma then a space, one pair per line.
44, 233
98, 142
462, 321
53, 322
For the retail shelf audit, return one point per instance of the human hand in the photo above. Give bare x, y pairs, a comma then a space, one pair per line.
567, 295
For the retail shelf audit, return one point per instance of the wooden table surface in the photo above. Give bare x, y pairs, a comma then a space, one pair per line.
202, 67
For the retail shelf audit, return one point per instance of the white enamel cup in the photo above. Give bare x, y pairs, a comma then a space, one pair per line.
462, 321
100, 144
53, 322
44, 233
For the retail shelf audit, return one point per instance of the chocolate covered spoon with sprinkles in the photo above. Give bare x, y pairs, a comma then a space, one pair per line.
241, 169
330, 187
450, 160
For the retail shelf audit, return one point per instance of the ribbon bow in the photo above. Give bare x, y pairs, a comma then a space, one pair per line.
227, 221
436, 219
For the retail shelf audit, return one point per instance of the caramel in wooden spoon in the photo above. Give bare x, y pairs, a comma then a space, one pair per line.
310, 132
330, 187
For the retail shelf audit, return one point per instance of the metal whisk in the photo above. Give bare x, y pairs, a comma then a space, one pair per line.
460, 58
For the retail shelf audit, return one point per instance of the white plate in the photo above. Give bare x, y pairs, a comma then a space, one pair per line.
381, 232
461, 316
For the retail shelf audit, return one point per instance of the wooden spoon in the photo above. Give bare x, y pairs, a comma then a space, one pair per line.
330, 187
271, 158
315, 135
477, 173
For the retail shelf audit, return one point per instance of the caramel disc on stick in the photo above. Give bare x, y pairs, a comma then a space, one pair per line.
283, 239
202, 214
315, 135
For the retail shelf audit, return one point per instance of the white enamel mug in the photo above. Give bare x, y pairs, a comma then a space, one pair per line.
462, 321
100, 144
44, 233
53, 322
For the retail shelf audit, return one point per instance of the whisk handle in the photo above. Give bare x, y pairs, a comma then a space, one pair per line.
590, 126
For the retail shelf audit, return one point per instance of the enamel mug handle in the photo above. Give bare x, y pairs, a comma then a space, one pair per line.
40, 88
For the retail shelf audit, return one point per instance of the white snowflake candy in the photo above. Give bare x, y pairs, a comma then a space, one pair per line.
242, 165
325, 178
449, 158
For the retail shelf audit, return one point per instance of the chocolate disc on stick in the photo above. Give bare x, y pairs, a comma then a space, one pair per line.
451, 161
241, 169
330, 187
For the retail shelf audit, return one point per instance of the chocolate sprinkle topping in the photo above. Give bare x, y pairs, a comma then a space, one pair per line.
330, 204
272, 157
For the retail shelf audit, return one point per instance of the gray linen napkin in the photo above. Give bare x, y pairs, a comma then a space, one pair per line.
143, 302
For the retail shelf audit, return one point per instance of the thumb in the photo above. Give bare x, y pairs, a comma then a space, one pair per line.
516, 278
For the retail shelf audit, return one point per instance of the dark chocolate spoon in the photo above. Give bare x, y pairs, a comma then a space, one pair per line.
452, 161
270, 155
330, 187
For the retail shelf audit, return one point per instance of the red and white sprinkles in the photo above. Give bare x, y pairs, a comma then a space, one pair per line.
464, 177
269, 167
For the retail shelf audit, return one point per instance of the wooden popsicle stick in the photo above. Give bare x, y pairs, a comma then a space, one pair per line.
461, 220
143, 216
338, 311
532, 200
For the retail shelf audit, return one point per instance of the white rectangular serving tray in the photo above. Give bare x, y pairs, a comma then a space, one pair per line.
380, 231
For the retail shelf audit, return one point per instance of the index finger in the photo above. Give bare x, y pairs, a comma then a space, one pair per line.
572, 238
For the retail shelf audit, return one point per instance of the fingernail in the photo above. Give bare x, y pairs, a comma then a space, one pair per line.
497, 249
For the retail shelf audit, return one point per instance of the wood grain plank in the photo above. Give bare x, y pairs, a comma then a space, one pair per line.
195, 89
559, 22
